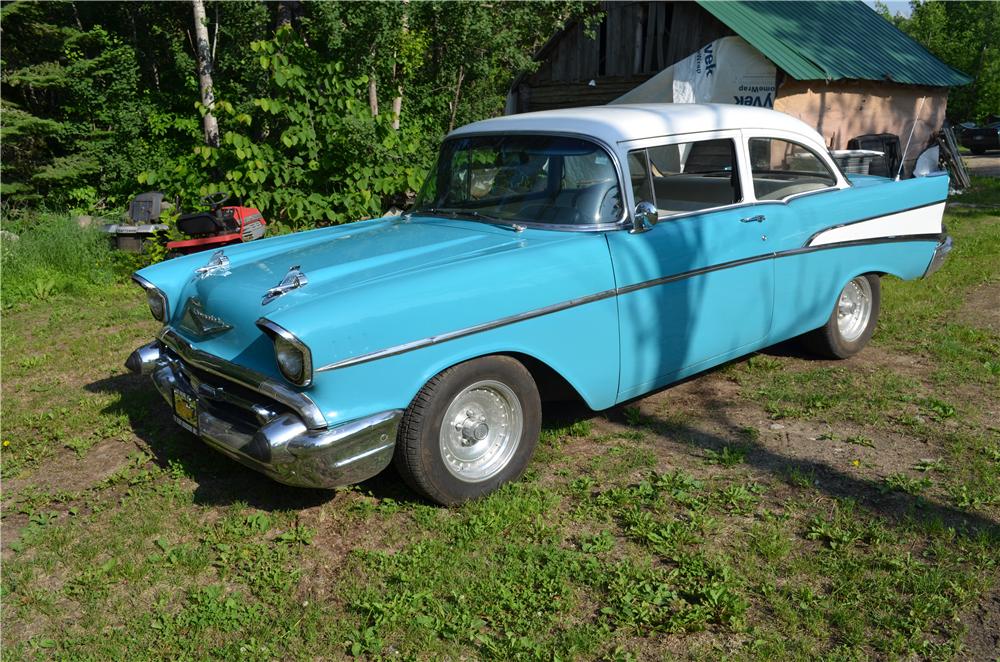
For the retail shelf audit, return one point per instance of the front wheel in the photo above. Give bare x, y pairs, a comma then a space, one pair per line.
852, 322
469, 430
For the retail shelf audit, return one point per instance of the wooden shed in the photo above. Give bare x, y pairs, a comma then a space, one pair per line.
840, 67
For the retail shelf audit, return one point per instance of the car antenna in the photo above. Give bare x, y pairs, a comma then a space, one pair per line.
902, 158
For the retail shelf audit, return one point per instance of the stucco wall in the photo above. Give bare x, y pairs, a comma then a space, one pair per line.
841, 110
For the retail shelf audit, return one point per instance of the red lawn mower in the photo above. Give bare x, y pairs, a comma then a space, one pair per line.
218, 227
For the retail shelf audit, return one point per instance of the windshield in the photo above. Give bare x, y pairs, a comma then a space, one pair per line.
523, 179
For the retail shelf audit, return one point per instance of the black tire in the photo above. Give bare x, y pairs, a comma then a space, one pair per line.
421, 448
977, 150
829, 341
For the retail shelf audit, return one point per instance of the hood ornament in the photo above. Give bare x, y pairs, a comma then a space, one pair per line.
217, 264
294, 279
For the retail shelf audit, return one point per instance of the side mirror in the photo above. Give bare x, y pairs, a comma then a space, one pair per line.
646, 217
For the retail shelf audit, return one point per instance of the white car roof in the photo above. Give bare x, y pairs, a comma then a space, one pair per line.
623, 122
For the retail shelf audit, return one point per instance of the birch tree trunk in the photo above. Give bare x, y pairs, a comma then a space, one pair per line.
372, 95
204, 55
397, 106
397, 72
458, 96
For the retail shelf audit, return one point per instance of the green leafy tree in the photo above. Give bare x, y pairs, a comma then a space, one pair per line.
965, 35
101, 100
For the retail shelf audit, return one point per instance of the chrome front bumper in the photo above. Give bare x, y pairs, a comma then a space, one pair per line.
259, 435
940, 253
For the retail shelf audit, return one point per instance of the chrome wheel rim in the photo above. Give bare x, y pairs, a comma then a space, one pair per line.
481, 430
854, 309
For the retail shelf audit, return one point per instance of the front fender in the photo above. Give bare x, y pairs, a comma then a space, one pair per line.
579, 343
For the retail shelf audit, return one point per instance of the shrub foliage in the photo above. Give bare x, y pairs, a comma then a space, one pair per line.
328, 111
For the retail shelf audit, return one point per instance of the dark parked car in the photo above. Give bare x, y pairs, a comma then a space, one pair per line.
982, 138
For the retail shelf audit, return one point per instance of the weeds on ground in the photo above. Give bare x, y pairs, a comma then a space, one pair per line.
47, 255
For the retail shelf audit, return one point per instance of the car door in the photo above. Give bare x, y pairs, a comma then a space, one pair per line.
798, 194
816, 220
696, 288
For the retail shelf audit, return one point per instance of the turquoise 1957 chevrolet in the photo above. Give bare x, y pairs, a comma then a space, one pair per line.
602, 251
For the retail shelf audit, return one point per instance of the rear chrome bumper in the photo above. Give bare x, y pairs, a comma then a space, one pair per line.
277, 443
940, 253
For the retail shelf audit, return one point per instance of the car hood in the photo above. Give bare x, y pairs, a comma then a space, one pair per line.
346, 257
352, 271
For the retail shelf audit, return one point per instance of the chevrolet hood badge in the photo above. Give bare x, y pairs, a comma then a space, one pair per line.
201, 323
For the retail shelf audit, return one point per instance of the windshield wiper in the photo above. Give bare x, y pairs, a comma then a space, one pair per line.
468, 213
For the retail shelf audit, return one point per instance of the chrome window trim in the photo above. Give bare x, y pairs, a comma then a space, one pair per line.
148, 286
710, 210
796, 196
621, 223
272, 329
686, 136
403, 348
251, 379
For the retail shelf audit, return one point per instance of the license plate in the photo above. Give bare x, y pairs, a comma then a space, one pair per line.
977, 137
186, 411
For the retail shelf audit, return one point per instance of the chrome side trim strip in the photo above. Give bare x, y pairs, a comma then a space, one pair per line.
299, 402
897, 239
627, 289
694, 272
468, 331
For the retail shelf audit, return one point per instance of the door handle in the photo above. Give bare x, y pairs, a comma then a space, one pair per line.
759, 218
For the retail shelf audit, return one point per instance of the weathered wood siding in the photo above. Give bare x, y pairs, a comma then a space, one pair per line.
635, 41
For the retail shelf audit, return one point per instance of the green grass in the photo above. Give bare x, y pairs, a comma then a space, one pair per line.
984, 191
48, 255
656, 532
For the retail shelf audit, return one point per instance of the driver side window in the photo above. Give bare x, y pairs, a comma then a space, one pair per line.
681, 178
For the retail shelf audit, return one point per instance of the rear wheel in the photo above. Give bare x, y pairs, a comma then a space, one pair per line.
469, 430
852, 322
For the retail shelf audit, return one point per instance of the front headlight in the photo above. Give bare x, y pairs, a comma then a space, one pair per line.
291, 362
292, 356
156, 299
157, 304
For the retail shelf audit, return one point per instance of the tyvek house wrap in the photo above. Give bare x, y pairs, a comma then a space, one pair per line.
727, 70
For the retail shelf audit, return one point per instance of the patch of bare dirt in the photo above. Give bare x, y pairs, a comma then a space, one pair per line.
66, 472
69, 472
716, 416
982, 641
982, 165
982, 308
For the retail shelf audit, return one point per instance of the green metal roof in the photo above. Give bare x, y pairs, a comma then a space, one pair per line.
833, 40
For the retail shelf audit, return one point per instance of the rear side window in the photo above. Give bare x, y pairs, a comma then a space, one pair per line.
686, 177
781, 168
